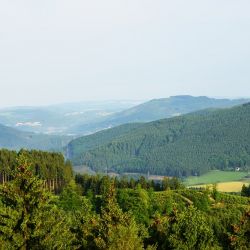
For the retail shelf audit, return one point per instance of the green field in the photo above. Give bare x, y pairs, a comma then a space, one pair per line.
215, 176
232, 186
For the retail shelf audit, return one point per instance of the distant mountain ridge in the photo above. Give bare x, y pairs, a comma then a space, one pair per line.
89, 117
67, 117
14, 139
61, 118
186, 145
159, 109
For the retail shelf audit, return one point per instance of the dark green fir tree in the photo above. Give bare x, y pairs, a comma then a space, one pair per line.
28, 219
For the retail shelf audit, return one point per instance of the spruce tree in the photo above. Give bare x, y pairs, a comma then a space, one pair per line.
116, 230
28, 220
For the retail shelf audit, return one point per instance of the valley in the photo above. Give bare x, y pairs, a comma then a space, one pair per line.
124, 125
189, 146
60, 119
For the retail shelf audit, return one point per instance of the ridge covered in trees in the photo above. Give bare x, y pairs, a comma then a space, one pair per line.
158, 109
187, 145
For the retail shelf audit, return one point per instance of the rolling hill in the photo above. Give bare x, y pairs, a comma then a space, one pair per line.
85, 118
157, 109
15, 139
61, 118
186, 145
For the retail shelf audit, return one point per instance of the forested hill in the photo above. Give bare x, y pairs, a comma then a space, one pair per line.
159, 109
185, 145
76, 147
15, 139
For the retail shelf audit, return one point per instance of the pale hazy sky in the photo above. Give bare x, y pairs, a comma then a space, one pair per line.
71, 50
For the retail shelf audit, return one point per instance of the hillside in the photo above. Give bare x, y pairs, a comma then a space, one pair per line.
15, 139
185, 145
158, 109
75, 148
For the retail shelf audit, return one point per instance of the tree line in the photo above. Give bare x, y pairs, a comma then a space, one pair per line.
95, 183
48, 166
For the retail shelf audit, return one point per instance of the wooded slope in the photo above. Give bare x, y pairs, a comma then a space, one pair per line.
185, 145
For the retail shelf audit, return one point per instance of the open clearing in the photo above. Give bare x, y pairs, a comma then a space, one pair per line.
217, 176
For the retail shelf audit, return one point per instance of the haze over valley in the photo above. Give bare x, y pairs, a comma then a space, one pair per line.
124, 125
177, 136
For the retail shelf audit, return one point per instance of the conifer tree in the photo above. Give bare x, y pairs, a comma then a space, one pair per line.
116, 230
28, 220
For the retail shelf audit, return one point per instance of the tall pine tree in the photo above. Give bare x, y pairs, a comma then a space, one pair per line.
28, 219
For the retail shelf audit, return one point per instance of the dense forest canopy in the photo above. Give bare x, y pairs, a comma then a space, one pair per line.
75, 148
99, 212
187, 145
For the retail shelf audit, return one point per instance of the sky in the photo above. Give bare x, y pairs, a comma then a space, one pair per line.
54, 51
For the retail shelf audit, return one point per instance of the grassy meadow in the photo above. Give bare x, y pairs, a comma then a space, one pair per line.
227, 181
215, 176
232, 186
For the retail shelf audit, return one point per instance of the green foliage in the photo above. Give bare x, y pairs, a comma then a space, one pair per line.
187, 145
28, 220
117, 214
116, 230
245, 191
171, 183
70, 199
233, 199
187, 229
190, 230
137, 201
215, 193
96, 183
83, 222
164, 202
241, 233
222, 218
200, 199
46, 165
76, 147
